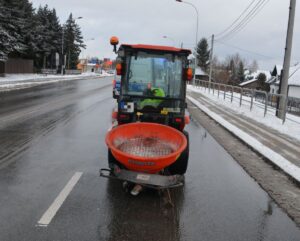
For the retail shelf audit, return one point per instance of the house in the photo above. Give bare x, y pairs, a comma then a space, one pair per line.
86, 67
201, 75
251, 79
293, 82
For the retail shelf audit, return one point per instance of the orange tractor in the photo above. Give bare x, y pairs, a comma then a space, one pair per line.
149, 145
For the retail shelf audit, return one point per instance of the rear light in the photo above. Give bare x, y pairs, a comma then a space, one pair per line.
180, 123
119, 69
123, 117
178, 120
189, 74
114, 115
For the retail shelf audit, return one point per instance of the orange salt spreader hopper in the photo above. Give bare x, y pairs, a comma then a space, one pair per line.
145, 147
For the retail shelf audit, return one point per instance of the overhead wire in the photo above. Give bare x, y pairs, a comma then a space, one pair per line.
237, 19
247, 19
245, 50
243, 20
236, 26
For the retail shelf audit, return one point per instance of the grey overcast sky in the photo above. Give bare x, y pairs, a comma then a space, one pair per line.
146, 21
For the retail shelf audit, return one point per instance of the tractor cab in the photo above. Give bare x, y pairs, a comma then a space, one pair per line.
153, 84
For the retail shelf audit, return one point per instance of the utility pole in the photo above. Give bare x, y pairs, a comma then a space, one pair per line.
211, 57
62, 51
286, 63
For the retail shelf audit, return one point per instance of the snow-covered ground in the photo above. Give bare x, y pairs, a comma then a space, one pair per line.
291, 127
277, 159
18, 81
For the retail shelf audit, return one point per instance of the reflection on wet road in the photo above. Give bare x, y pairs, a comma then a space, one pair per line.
218, 202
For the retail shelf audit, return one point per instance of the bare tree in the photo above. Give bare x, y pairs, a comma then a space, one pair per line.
253, 67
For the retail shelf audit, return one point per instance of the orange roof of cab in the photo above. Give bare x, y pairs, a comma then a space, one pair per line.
156, 47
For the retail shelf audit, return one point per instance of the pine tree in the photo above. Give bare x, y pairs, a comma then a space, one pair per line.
202, 54
7, 39
55, 36
73, 42
240, 73
37, 35
48, 37
261, 80
12, 17
232, 71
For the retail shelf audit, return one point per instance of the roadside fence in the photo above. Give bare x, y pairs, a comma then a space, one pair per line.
252, 98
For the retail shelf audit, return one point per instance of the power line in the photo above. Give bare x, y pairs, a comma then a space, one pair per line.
239, 17
243, 23
244, 20
249, 18
245, 50
294, 72
250, 13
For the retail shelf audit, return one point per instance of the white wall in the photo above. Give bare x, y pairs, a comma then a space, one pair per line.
294, 91
274, 89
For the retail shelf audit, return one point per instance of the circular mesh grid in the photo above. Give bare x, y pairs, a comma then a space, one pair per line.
146, 147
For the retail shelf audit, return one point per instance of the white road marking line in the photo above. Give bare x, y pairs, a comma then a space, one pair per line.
57, 203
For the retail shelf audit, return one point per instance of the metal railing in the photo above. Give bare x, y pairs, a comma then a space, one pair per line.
250, 97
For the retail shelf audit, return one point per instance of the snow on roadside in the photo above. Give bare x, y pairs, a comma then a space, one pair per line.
20, 81
278, 160
291, 127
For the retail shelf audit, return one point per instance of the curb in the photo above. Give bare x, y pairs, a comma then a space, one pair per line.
35, 82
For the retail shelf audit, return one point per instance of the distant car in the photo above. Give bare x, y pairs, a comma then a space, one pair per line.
111, 71
116, 86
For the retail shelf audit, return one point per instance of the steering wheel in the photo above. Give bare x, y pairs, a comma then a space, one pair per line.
148, 92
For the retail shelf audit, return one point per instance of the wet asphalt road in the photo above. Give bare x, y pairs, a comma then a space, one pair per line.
49, 133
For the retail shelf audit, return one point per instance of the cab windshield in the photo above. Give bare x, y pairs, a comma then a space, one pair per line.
151, 75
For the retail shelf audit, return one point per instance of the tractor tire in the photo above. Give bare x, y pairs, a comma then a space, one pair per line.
180, 166
111, 159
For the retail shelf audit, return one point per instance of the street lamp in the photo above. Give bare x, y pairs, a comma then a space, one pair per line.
62, 47
197, 14
166, 37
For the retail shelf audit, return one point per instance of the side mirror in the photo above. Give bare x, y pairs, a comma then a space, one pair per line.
114, 41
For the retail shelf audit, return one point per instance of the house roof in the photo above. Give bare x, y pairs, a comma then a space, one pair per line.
247, 82
294, 75
250, 78
199, 71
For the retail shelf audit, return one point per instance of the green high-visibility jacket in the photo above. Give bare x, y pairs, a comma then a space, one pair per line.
153, 102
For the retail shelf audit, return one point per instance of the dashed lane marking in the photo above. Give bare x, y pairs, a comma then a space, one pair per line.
57, 203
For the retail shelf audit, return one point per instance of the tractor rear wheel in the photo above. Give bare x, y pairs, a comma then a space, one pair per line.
180, 166
111, 159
